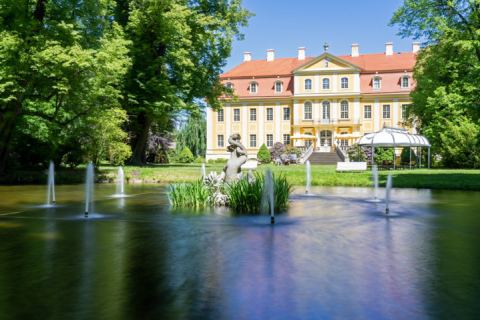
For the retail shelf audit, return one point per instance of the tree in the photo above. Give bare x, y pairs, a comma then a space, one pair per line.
447, 72
263, 154
179, 48
193, 134
59, 61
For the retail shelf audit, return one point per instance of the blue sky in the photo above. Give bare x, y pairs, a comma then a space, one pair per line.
285, 25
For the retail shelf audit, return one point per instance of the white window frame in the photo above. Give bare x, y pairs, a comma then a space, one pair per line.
278, 83
305, 112
326, 110
369, 111
269, 114
220, 140
326, 84
407, 78
286, 115
286, 139
252, 85
220, 115
253, 114
269, 140
236, 117
229, 85
377, 83
386, 110
404, 111
309, 86
253, 141
344, 110
344, 83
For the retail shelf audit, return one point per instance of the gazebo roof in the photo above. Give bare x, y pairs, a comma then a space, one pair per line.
393, 137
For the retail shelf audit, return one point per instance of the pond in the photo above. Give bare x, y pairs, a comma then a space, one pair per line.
332, 255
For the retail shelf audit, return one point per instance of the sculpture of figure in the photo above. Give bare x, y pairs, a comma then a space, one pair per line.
238, 156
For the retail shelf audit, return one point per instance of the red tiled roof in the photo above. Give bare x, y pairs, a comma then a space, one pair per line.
264, 68
285, 66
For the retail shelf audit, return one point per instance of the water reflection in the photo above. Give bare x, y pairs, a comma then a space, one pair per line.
333, 255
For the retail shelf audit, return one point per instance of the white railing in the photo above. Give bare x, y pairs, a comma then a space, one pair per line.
326, 121
306, 154
341, 152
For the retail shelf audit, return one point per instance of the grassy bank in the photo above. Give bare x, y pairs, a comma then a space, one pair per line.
321, 176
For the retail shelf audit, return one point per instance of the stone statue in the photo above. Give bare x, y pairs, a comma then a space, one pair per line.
238, 156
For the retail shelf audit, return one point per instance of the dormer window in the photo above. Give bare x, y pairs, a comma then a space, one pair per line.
308, 84
253, 87
405, 82
344, 83
377, 83
278, 86
326, 83
229, 85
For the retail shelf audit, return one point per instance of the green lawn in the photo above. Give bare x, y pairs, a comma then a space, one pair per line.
321, 176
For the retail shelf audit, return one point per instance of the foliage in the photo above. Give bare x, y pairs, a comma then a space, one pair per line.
158, 148
193, 135
263, 154
289, 149
245, 195
383, 155
405, 156
447, 72
221, 161
356, 153
199, 160
190, 195
277, 150
185, 156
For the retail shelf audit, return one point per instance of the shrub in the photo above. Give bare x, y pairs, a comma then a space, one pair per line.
263, 154
185, 156
118, 153
221, 161
199, 160
289, 149
383, 155
190, 195
356, 153
405, 156
277, 150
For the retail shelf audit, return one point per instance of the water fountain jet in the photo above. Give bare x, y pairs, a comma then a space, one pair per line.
308, 173
375, 183
388, 190
120, 190
204, 171
89, 189
51, 185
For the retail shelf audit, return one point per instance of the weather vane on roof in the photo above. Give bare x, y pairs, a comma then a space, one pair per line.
325, 47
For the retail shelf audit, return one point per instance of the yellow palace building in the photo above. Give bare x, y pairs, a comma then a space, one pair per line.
325, 103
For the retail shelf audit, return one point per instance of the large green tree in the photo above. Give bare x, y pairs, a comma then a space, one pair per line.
179, 48
446, 100
59, 62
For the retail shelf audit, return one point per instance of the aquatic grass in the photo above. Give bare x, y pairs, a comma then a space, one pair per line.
245, 196
190, 195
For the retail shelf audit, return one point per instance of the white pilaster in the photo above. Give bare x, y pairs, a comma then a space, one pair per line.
395, 113
261, 125
377, 113
296, 85
245, 120
228, 121
356, 82
296, 112
316, 110
335, 82
356, 110
317, 83
334, 110
278, 123
209, 129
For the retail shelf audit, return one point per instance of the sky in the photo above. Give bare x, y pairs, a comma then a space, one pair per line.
285, 25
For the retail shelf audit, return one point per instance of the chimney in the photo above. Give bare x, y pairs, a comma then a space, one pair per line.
247, 56
270, 55
301, 53
389, 48
355, 50
415, 47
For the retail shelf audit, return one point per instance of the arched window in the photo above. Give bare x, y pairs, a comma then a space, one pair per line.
344, 83
307, 111
326, 110
405, 82
344, 109
308, 84
377, 83
253, 87
326, 83
278, 86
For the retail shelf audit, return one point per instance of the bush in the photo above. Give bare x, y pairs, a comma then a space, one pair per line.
185, 156
405, 156
289, 149
383, 156
118, 153
356, 153
220, 161
263, 154
277, 150
199, 160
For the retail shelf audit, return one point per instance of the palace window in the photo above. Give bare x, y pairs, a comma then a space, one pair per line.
325, 110
269, 140
344, 83
386, 111
377, 83
405, 82
253, 140
253, 87
286, 139
269, 114
220, 141
326, 83
367, 112
220, 116
344, 109
404, 111
278, 86
286, 113
253, 114
229, 85
308, 84
236, 115
307, 111
343, 143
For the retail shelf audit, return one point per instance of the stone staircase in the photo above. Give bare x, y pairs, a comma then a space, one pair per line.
324, 158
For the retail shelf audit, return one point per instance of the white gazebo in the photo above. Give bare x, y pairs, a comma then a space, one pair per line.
393, 138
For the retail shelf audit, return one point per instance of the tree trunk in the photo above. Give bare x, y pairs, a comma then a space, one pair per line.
8, 120
144, 123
